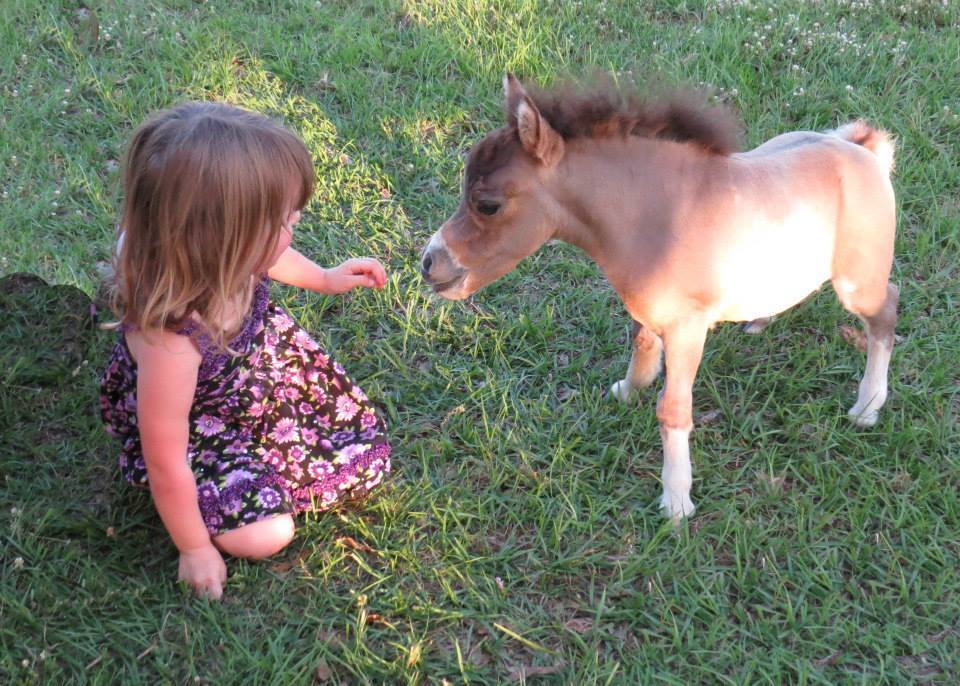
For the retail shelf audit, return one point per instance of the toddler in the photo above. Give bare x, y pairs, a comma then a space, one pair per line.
229, 412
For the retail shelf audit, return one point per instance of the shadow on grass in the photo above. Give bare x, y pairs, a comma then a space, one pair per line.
56, 462
63, 509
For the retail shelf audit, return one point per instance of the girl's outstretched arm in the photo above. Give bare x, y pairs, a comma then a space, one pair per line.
167, 366
294, 269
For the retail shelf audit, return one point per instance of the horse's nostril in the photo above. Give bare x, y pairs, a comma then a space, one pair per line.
427, 263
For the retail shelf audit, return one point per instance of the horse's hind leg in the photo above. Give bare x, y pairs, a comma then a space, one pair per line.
877, 309
646, 361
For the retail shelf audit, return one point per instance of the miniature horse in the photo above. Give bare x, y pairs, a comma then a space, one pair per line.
688, 232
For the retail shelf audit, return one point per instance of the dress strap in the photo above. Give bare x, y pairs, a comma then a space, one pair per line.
213, 357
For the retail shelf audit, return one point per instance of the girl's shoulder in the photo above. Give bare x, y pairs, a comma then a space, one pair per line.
163, 348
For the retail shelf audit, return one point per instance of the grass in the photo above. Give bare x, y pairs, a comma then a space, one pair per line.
518, 540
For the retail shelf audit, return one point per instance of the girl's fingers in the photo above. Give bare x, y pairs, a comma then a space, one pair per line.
370, 276
359, 280
367, 272
376, 270
211, 589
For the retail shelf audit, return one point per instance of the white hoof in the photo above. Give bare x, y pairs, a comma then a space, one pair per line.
862, 418
676, 506
621, 390
757, 325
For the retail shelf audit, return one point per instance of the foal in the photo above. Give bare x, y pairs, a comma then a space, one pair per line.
688, 232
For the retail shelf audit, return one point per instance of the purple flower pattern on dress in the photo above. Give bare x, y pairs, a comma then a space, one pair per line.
303, 341
208, 425
268, 498
277, 428
346, 408
274, 458
285, 431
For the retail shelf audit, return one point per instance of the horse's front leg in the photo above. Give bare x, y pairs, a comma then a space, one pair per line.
646, 361
683, 346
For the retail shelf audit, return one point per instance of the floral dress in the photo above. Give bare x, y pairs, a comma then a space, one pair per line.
277, 428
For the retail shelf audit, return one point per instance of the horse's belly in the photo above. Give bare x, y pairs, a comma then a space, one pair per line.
774, 268
759, 305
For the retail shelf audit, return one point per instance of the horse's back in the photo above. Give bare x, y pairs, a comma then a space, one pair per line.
794, 146
792, 140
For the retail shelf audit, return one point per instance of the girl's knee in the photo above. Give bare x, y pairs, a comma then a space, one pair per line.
258, 540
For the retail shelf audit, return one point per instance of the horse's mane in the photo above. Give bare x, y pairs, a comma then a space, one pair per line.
602, 109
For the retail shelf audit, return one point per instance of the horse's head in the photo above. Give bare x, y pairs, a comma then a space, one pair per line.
505, 213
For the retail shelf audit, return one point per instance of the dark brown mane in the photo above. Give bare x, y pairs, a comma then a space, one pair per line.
603, 110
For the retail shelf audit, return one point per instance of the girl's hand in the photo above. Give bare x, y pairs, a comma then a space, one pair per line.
204, 570
364, 272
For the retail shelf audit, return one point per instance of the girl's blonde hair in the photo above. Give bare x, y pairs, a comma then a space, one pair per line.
207, 189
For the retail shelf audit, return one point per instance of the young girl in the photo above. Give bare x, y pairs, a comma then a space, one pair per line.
231, 413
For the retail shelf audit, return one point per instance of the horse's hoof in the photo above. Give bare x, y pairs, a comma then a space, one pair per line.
864, 419
757, 325
621, 391
676, 506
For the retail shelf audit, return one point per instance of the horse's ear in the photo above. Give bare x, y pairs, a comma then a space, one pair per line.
536, 135
513, 93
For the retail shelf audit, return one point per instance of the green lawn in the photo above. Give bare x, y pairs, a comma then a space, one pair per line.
519, 538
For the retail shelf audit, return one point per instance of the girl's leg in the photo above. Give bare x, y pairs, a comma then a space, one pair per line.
259, 539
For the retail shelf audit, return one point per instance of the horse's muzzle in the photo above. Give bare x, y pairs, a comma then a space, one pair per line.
438, 268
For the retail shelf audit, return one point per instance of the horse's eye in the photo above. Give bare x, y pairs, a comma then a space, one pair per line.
488, 207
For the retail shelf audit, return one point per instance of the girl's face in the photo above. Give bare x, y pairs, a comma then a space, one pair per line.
285, 238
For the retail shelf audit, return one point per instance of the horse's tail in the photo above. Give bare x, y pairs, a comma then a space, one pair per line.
877, 141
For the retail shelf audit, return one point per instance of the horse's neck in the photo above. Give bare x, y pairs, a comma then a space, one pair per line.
620, 196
